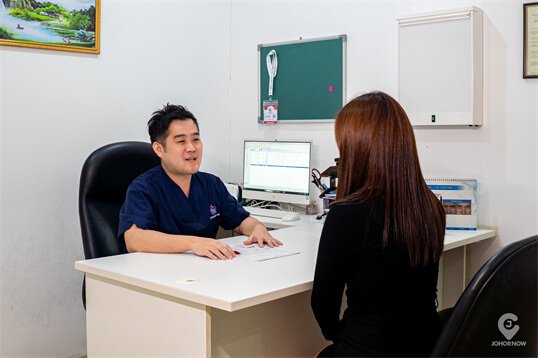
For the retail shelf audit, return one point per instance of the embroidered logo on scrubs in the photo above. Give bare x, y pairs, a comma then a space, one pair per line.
213, 211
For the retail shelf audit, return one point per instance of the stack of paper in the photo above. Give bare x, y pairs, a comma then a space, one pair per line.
257, 253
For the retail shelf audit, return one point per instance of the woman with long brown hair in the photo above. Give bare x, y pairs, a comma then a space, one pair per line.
382, 238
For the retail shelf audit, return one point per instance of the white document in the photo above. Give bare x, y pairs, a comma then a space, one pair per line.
257, 253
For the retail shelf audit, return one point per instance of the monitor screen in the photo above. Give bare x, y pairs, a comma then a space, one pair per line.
277, 170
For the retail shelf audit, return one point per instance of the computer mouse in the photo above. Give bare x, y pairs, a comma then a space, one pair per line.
291, 217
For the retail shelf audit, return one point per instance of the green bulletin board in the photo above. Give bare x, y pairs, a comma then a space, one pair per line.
310, 83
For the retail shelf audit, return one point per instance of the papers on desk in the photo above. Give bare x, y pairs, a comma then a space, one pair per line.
257, 253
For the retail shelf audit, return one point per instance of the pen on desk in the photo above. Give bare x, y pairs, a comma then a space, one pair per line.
320, 216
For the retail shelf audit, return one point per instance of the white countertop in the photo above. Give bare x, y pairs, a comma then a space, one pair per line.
234, 284
457, 238
225, 284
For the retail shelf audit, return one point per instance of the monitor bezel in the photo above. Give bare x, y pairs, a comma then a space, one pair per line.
286, 197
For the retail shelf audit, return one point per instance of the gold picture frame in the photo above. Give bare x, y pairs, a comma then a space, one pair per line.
52, 26
530, 40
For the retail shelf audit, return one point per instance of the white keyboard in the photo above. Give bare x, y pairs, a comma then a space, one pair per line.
270, 213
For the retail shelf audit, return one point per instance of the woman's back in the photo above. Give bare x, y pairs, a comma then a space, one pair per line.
383, 238
390, 305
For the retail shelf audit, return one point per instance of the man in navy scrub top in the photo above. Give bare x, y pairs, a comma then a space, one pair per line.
175, 208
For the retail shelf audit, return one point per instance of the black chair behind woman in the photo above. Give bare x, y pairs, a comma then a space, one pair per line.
104, 179
496, 316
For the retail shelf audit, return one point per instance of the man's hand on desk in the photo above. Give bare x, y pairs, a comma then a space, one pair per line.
140, 240
214, 249
257, 233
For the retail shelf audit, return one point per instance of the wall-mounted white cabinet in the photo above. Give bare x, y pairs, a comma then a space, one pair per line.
440, 67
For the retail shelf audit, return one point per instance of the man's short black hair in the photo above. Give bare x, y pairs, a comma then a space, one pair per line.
160, 121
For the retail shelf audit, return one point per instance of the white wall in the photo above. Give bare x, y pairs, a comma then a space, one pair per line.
502, 154
56, 107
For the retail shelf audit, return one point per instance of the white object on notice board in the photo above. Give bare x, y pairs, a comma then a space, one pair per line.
272, 68
440, 67
460, 200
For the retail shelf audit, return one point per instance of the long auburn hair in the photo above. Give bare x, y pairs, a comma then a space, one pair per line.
378, 158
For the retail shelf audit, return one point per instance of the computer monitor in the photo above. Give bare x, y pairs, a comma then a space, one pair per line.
277, 170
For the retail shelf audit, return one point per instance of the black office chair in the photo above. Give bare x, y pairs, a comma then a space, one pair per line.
496, 315
104, 179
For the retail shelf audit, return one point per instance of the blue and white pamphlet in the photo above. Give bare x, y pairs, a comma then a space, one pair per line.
460, 200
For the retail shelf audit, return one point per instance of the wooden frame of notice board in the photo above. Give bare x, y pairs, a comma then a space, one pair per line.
310, 81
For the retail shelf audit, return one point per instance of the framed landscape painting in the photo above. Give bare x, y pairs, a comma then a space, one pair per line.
64, 25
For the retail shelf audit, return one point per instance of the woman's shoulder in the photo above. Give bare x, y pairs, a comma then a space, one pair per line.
354, 208
348, 222
354, 215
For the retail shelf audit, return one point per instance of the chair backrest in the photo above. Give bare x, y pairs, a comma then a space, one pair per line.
104, 179
235, 191
496, 315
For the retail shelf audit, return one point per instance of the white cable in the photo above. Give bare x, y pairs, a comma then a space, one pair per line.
273, 206
254, 203
268, 205
272, 66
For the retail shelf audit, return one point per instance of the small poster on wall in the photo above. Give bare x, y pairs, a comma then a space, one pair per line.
64, 25
530, 40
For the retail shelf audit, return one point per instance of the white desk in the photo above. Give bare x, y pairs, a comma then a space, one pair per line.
453, 239
141, 304
457, 239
